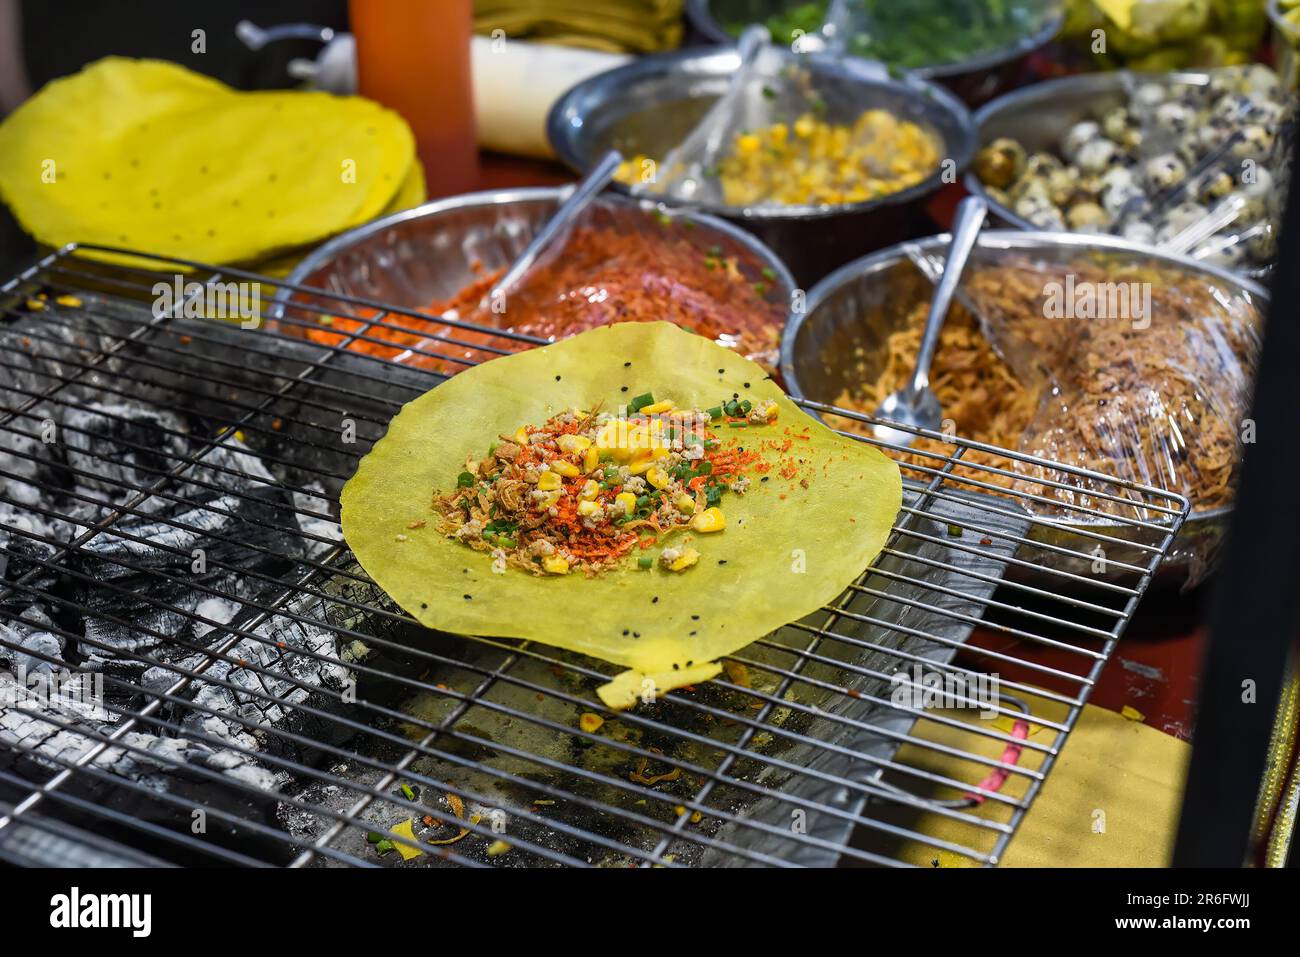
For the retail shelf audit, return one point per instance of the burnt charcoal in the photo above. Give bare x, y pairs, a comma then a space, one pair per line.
216, 541
287, 665
35, 749
27, 644
152, 577
118, 448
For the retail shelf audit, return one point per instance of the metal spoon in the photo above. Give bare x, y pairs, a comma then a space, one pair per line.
914, 404
582, 196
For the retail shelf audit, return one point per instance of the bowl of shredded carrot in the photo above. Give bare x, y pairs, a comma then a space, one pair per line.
624, 261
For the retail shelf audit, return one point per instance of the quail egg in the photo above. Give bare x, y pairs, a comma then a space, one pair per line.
1139, 231
1114, 123
1079, 135
1163, 171
1174, 118
1087, 217
1095, 155
1000, 163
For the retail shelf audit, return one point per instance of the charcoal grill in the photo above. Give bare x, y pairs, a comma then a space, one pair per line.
169, 541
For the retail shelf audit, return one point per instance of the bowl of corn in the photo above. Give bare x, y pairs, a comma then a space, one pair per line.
847, 176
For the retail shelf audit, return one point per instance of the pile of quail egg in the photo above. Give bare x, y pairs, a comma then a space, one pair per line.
1118, 173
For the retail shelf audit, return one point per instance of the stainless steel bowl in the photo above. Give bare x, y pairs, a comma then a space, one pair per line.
1039, 116
649, 105
974, 80
818, 341
419, 256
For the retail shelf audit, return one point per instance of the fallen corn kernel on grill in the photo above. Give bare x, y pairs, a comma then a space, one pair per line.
173, 568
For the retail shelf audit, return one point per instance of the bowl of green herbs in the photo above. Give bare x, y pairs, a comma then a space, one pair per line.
976, 48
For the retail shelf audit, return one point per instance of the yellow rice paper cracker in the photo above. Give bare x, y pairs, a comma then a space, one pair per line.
148, 155
791, 544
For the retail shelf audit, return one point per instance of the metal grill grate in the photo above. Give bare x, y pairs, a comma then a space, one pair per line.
168, 488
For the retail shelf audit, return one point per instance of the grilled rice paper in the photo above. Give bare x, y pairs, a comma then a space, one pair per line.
791, 544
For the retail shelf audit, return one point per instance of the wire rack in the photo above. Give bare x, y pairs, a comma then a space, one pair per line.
168, 540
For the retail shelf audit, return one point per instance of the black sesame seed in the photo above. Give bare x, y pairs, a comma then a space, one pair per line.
636, 634
626, 631
721, 561
691, 635
764, 478
746, 385
624, 389
654, 600
695, 617
424, 604
468, 597
674, 666
689, 663
557, 378
627, 365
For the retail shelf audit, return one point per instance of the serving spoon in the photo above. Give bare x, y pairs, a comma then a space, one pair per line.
584, 193
915, 405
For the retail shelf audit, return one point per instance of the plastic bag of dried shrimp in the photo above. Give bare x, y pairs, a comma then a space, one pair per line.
1134, 366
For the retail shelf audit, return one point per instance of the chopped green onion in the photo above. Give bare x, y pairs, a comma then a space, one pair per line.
384, 846
642, 501
465, 479
507, 543
954, 531
645, 561
641, 401
715, 412
408, 792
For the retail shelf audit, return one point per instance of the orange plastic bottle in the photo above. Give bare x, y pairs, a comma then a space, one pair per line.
413, 56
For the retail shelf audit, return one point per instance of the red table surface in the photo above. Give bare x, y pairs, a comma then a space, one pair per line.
1155, 667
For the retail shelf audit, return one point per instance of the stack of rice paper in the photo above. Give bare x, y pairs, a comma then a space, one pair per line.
613, 26
149, 156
